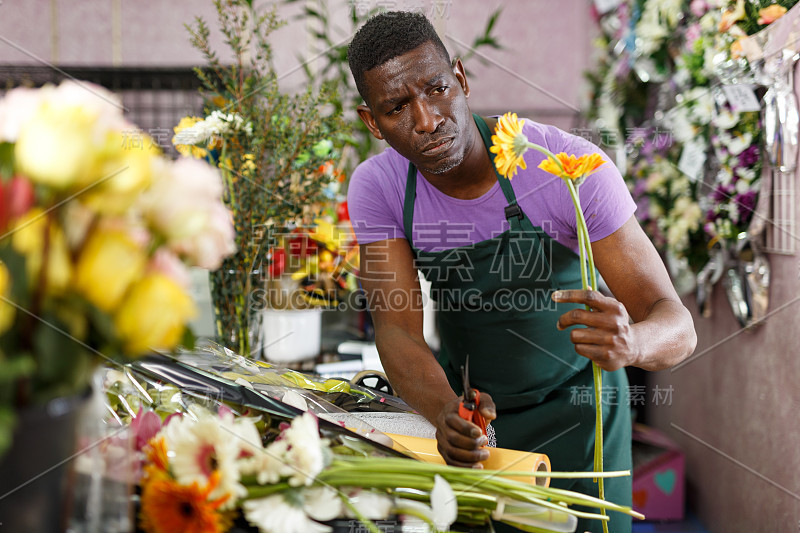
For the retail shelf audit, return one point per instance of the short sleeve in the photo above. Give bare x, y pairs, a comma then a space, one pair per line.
373, 216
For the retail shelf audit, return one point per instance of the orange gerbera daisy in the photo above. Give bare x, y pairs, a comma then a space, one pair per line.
510, 144
168, 506
156, 452
574, 168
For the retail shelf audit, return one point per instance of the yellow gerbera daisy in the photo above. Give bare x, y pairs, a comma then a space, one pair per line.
571, 167
510, 144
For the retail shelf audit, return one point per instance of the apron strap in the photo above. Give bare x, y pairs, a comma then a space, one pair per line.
517, 220
408, 203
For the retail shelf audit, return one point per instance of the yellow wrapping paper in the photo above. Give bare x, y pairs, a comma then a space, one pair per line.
499, 458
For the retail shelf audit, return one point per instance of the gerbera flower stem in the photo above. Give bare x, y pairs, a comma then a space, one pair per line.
585, 249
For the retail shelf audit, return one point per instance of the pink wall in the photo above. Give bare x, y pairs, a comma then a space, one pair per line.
740, 395
547, 43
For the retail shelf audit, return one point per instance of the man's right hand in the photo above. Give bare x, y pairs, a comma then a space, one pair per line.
461, 442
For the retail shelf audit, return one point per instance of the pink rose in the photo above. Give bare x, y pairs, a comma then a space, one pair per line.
698, 7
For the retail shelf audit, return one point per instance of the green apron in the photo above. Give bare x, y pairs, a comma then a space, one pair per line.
493, 302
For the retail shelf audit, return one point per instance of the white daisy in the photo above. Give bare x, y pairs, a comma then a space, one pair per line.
197, 448
304, 456
275, 515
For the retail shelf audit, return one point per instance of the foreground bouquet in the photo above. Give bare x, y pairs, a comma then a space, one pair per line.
97, 230
510, 144
203, 470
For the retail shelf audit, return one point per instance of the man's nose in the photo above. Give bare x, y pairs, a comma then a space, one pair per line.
427, 118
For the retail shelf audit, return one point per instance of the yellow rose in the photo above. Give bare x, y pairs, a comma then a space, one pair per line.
124, 171
28, 239
109, 263
57, 146
153, 315
6, 309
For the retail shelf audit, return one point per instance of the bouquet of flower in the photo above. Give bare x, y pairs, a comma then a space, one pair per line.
203, 470
98, 230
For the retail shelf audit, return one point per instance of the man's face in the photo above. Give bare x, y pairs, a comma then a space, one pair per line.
417, 102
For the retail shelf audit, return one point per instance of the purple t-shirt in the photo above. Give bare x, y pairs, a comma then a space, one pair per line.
441, 222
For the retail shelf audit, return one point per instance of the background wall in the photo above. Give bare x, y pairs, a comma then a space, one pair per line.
734, 411
732, 408
539, 73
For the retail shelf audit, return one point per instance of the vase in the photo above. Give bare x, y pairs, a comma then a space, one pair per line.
236, 294
290, 335
36, 472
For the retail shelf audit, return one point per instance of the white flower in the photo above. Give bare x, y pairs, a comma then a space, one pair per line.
702, 108
16, 108
198, 448
746, 174
678, 121
275, 515
740, 143
322, 503
724, 177
268, 464
304, 456
655, 211
649, 35
708, 22
371, 505
742, 186
680, 186
726, 120
443, 502
416, 516
185, 205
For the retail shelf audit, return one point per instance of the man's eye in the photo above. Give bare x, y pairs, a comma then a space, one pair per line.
396, 110
440, 90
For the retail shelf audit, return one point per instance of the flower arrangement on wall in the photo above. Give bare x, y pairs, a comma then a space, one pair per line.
674, 83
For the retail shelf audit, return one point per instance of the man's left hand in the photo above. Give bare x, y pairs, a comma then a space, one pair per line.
608, 338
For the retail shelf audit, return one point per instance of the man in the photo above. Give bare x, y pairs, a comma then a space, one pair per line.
503, 266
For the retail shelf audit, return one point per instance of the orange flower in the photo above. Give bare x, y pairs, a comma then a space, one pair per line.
737, 50
732, 16
770, 14
510, 144
156, 451
168, 507
574, 168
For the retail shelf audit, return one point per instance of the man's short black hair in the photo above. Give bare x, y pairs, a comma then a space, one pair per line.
385, 36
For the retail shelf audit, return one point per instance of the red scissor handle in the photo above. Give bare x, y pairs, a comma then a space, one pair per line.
472, 415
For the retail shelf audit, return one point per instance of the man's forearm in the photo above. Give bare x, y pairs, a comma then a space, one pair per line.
666, 336
413, 371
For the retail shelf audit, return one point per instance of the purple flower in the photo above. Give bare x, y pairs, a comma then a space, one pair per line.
749, 156
746, 203
721, 193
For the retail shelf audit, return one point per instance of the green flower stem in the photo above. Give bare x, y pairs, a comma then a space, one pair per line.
402, 466
550, 155
585, 247
373, 473
255, 492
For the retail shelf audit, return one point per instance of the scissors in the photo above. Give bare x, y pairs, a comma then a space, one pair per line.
468, 408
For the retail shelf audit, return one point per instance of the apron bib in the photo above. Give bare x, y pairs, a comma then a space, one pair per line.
494, 304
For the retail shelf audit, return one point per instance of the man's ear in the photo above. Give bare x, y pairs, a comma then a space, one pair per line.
367, 118
461, 75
